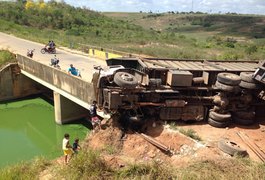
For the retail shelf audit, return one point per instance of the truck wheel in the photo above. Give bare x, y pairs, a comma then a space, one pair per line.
243, 122
247, 77
227, 88
244, 114
221, 101
228, 79
218, 124
125, 80
216, 108
231, 148
248, 85
220, 117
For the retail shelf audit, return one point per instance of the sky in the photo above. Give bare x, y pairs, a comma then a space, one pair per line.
159, 6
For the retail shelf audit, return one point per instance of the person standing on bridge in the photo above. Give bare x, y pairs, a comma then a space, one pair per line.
67, 148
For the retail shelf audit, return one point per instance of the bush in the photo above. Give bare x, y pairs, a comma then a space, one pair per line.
230, 44
251, 49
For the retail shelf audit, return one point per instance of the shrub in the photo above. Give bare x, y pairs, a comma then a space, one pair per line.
230, 44
251, 49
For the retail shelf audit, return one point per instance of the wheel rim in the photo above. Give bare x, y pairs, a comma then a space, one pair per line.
126, 77
231, 76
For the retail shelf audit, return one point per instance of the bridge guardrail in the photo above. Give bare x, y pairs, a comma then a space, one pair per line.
75, 86
105, 53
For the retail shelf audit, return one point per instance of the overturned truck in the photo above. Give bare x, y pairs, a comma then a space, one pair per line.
189, 90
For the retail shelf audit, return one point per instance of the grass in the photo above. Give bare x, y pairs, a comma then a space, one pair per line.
110, 149
236, 168
90, 165
85, 165
25, 170
189, 132
145, 171
6, 56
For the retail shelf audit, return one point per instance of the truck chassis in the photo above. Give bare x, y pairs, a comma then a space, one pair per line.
174, 89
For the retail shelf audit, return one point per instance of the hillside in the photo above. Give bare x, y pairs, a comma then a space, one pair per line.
192, 36
206, 30
229, 24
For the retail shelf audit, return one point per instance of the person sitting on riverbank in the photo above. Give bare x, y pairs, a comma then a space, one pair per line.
67, 148
76, 146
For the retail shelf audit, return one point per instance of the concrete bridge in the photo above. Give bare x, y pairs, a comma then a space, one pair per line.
72, 95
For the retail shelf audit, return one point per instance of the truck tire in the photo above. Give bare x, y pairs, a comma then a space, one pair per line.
218, 124
125, 80
243, 122
248, 85
216, 108
231, 148
221, 101
228, 79
220, 117
247, 77
244, 114
227, 88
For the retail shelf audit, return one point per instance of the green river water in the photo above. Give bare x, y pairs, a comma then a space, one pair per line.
28, 129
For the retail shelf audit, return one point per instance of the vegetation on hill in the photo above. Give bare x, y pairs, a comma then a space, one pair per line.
194, 36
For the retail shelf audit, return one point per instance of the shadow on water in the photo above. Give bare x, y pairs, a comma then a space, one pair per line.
84, 122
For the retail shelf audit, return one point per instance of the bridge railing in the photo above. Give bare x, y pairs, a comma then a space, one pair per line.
73, 85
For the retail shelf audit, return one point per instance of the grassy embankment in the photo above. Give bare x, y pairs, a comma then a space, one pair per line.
6, 57
196, 36
90, 165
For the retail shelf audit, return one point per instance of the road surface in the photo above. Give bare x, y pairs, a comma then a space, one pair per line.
82, 62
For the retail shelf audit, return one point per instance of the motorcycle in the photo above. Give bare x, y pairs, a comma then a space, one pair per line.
48, 50
30, 52
55, 63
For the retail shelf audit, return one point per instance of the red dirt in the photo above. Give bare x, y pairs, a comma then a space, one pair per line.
133, 148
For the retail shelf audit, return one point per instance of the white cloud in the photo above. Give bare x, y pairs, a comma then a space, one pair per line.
214, 6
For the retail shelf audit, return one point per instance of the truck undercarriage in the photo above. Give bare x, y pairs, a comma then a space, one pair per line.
170, 89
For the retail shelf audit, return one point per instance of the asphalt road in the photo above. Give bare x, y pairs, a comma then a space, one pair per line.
80, 60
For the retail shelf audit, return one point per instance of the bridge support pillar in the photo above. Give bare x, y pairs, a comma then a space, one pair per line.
66, 110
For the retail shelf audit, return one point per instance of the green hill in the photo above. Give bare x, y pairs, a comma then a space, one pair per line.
249, 26
195, 36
